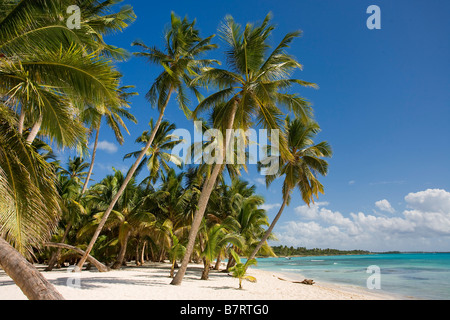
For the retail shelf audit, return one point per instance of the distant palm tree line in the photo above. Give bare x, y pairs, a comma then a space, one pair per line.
57, 85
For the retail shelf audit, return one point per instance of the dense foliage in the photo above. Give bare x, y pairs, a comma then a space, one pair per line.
58, 84
285, 251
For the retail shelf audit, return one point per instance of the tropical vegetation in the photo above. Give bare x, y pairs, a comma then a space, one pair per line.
59, 84
285, 251
240, 269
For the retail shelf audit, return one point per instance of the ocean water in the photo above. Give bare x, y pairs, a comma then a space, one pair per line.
410, 275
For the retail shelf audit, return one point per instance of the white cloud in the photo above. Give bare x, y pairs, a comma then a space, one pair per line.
425, 225
261, 181
351, 182
384, 205
270, 206
311, 212
429, 200
430, 211
106, 146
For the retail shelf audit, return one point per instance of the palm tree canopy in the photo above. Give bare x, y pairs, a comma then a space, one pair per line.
114, 114
29, 201
302, 172
159, 155
179, 59
258, 79
48, 69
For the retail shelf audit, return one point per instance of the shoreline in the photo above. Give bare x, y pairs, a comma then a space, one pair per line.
152, 282
347, 288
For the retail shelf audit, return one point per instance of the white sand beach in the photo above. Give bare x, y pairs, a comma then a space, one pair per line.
151, 282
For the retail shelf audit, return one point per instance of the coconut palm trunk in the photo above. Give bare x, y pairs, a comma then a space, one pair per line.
122, 252
125, 183
56, 255
21, 121
25, 275
100, 266
205, 272
269, 231
143, 253
217, 265
203, 202
230, 262
91, 167
34, 130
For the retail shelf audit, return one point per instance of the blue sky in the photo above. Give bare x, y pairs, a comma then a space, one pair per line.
383, 105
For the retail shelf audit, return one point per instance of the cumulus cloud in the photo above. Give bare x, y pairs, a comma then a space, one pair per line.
430, 211
384, 205
436, 200
424, 225
270, 206
106, 146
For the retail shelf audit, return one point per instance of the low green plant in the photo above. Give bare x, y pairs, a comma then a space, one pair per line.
240, 269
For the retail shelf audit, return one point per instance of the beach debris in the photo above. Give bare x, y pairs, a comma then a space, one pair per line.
308, 281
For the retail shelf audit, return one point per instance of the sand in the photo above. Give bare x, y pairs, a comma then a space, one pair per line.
151, 282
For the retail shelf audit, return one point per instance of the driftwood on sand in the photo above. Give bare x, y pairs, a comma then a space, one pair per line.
306, 281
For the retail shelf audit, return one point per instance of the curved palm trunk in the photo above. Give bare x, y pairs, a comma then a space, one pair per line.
172, 268
56, 255
25, 275
34, 130
230, 262
21, 121
124, 184
122, 252
91, 167
205, 273
202, 203
143, 252
100, 266
217, 265
138, 259
269, 231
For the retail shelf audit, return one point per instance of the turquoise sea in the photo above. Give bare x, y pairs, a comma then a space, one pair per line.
410, 275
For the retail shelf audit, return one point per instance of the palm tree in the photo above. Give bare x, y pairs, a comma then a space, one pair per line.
215, 239
303, 170
32, 283
113, 116
240, 203
172, 199
75, 170
249, 93
159, 154
252, 220
45, 70
48, 70
240, 269
29, 208
175, 251
183, 46
69, 187
128, 215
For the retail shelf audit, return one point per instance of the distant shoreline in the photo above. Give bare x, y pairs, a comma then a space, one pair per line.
280, 251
